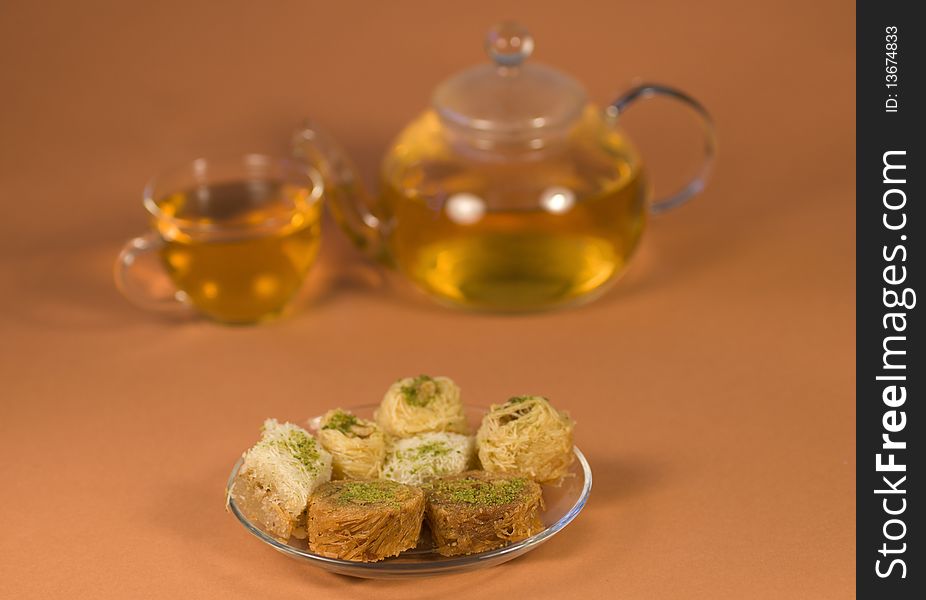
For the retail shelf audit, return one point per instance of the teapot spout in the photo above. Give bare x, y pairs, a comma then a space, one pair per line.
347, 197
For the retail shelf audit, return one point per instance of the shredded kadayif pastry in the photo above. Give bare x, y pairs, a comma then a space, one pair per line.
527, 436
364, 520
420, 405
278, 475
357, 446
478, 511
424, 457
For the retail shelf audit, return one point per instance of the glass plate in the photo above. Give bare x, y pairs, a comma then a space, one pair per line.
563, 503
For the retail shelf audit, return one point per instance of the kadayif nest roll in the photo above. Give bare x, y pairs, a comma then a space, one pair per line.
420, 405
357, 446
526, 436
277, 477
364, 521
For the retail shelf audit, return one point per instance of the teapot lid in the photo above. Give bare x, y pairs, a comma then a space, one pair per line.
509, 99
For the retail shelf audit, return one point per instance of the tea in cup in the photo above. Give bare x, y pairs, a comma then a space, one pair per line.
235, 237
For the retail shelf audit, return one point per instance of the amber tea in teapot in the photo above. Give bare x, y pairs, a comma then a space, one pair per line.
511, 192
568, 219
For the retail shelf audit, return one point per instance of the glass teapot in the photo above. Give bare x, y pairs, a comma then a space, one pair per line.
512, 192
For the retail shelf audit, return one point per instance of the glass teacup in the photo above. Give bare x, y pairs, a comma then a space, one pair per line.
235, 237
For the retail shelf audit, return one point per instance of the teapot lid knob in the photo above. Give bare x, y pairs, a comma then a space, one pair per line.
509, 44
509, 100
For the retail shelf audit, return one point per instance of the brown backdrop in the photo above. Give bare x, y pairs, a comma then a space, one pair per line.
713, 388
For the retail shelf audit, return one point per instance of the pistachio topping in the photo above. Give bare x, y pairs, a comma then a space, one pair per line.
341, 421
302, 447
518, 399
519, 412
476, 491
432, 449
367, 492
420, 391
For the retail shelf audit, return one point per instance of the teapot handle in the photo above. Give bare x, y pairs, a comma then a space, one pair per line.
697, 183
344, 192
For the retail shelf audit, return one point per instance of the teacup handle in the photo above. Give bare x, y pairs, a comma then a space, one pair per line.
140, 276
697, 183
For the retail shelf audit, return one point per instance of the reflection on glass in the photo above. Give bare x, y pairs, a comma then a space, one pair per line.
465, 209
557, 199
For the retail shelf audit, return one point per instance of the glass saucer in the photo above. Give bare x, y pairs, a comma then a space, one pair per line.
563, 504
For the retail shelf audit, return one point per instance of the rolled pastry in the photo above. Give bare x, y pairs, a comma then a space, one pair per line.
357, 446
420, 405
277, 476
364, 521
526, 436
478, 511
427, 456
